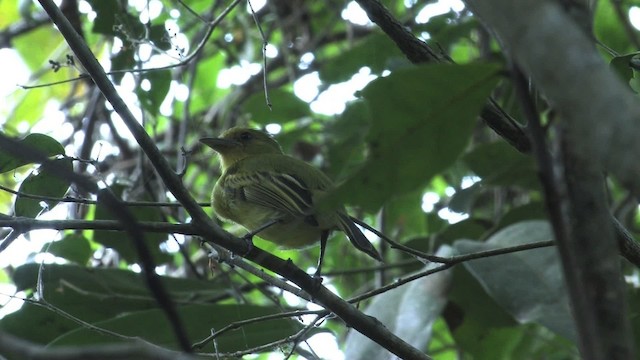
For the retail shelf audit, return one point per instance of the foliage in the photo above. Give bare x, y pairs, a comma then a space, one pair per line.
406, 147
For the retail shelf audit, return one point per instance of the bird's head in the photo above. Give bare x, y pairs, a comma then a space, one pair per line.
237, 143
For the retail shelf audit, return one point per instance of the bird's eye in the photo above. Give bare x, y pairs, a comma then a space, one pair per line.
245, 135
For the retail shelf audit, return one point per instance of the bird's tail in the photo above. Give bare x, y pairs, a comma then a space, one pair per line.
356, 236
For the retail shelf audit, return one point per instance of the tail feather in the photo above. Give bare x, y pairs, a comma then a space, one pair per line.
356, 236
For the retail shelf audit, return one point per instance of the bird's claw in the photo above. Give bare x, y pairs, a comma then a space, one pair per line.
248, 239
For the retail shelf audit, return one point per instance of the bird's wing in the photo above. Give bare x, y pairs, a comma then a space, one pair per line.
282, 192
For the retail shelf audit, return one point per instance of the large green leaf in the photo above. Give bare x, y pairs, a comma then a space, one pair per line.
37, 46
472, 315
119, 300
23, 323
46, 144
498, 163
408, 311
42, 183
198, 320
122, 244
377, 52
346, 139
73, 247
421, 122
160, 82
607, 29
105, 282
527, 284
285, 107
95, 295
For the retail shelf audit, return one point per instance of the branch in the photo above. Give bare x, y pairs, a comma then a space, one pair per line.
576, 202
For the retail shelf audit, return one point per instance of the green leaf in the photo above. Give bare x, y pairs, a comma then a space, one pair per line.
112, 19
535, 210
471, 228
408, 311
106, 283
527, 284
159, 36
73, 247
346, 135
37, 46
122, 243
41, 142
377, 52
198, 320
422, 121
622, 65
286, 107
23, 322
607, 29
405, 214
99, 296
498, 163
472, 315
204, 91
152, 99
483, 330
123, 60
42, 183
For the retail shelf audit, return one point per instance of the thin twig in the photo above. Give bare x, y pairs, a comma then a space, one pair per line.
264, 56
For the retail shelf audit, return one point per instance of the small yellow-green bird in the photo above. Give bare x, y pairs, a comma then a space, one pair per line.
272, 195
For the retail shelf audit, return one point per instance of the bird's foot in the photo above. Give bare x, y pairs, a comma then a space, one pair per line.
248, 239
317, 280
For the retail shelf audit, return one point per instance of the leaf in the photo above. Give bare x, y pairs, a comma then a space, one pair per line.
152, 99
42, 183
23, 322
376, 52
472, 314
346, 136
535, 210
528, 284
41, 142
607, 29
405, 214
115, 283
73, 247
36, 46
408, 311
159, 36
421, 122
120, 300
498, 163
198, 320
471, 228
286, 107
112, 19
123, 60
122, 244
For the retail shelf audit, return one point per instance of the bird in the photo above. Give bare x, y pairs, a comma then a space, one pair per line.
274, 196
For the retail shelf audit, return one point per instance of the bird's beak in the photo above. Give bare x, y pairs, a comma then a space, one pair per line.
219, 144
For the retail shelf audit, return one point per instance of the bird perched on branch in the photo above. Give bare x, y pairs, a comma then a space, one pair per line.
274, 195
